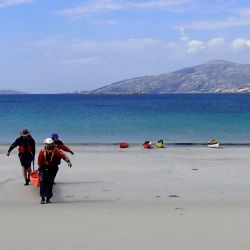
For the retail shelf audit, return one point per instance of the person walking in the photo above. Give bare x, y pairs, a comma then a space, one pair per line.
60, 145
48, 159
27, 150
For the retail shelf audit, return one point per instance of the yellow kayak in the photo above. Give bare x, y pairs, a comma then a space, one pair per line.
159, 145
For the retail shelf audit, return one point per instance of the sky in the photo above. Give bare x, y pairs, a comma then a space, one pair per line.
58, 46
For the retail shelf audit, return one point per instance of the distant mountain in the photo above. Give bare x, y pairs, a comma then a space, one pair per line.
211, 77
10, 92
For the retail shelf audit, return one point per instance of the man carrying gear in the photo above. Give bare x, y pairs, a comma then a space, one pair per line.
26, 153
47, 162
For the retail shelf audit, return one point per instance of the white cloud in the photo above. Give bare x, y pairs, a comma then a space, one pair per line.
245, 12
83, 52
184, 37
6, 3
195, 46
240, 43
96, 6
217, 41
219, 24
240, 18
80, 45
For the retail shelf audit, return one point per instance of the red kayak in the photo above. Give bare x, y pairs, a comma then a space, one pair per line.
123, 144
35, 178
147, 145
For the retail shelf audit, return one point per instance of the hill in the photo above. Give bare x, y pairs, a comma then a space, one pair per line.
211, 77
10, 92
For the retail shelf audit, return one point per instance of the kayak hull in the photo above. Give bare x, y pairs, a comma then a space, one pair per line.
213, 145
123, 144
160, 145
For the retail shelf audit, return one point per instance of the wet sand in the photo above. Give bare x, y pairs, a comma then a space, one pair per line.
172, 198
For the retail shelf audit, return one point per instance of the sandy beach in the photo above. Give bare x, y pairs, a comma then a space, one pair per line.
178, 197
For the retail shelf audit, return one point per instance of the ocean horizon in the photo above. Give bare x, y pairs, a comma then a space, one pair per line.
175, 118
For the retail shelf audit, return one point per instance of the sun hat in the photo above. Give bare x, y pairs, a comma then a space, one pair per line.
48, 141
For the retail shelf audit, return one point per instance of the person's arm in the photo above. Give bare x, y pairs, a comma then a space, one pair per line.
61, 155
13, 145
40, 158
65, 148
33, 148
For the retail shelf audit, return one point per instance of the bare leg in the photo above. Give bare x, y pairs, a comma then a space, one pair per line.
26, 174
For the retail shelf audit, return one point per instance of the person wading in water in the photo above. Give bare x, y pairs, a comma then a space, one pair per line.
26, 153
48, 159
60, 145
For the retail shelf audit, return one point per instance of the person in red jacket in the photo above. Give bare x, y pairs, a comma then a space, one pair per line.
47, 161
60, 145
26, 153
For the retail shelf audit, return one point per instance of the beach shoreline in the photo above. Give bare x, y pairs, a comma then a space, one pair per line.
185, 197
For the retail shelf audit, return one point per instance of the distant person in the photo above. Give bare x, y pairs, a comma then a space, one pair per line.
26, 153
60, 145
213, 141
48, 159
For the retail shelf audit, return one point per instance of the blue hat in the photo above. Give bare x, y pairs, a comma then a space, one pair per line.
53, 136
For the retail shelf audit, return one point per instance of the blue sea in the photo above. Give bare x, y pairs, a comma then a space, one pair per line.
133, 118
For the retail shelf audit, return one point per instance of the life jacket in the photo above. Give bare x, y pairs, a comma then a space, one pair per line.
25, 149
49, 158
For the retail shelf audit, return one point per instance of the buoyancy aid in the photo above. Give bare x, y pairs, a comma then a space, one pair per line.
49, 158
25, 149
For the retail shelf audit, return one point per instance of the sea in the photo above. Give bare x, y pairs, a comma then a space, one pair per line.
174, 118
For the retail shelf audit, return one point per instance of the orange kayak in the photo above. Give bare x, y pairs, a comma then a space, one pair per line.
35, 178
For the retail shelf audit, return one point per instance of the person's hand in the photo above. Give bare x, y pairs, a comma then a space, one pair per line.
8, 153
69, 164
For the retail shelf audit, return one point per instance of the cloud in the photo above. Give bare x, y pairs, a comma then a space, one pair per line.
84, 46
184, 37
239, 44
219, 24
61, 50
195, 46
6, 3
96, 6
217, 41
240, 18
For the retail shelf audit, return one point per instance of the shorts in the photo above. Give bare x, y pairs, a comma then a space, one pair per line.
25, 160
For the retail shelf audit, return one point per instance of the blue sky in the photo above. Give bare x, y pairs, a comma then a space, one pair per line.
56, 46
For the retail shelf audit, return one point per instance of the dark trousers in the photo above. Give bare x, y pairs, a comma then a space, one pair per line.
55, 170
46, 183
25, 159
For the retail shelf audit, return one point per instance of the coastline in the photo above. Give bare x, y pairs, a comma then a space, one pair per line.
137, 144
